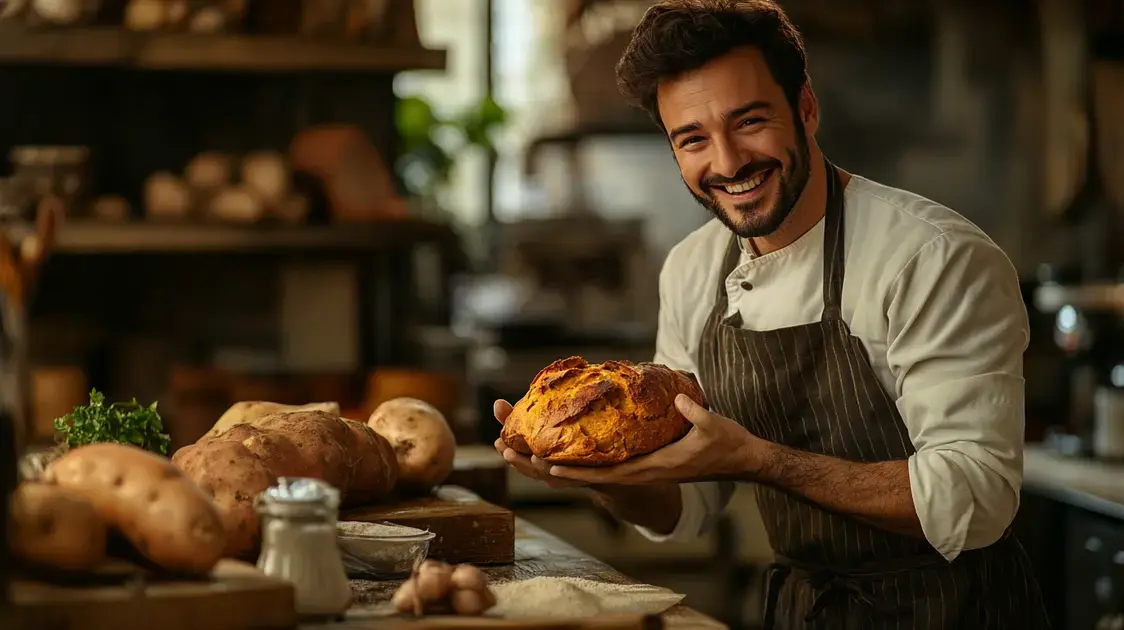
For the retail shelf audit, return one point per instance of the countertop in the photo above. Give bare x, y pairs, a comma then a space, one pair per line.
1090, 484
537, 553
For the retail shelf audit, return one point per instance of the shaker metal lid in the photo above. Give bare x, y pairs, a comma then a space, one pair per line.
302, 490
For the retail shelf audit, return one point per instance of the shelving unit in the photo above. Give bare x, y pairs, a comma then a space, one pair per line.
143, 102
180, 51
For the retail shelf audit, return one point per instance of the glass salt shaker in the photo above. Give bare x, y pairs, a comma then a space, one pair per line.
298, 522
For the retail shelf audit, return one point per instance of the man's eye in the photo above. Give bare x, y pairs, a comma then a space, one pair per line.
749, 122
689, 141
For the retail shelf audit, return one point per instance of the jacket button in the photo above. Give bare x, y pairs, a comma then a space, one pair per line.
746, 285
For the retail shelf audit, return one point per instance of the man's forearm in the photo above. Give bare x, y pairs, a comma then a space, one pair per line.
656, 508
876, 493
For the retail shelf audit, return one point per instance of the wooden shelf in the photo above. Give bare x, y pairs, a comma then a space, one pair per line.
179, 51
88, 237
258, 54
86, 47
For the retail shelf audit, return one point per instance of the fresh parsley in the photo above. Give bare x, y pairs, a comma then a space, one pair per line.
121, 422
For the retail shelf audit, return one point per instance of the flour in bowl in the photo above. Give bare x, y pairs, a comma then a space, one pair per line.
375, 530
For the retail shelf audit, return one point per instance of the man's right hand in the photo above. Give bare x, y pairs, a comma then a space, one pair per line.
655, 507
532, 466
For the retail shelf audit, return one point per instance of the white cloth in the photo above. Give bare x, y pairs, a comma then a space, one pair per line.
937, 306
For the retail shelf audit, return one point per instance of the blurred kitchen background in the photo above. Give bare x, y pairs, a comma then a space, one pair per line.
351, 200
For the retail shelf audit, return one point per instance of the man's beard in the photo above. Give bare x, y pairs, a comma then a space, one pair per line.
757, 219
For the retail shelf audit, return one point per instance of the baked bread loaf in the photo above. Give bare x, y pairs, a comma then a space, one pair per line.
602, 414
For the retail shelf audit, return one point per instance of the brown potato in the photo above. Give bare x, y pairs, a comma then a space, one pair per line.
423, 442
249, 411
322, 440
374, 469
229, 473
162, 513
235, 465
275, 450
56, 528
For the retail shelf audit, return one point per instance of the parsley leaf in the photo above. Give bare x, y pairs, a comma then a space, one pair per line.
121, 422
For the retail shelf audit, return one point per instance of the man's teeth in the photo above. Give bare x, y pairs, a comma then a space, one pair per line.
746, 186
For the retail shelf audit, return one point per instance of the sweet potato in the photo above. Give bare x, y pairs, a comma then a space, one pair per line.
249, 411
165, 516
322, 440
56, 528
374, 469
235, 465
228, 472
423, 442
275, 450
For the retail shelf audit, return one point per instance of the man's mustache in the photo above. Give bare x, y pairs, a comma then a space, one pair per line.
744, 173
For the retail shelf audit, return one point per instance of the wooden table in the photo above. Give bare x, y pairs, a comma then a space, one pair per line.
537, 553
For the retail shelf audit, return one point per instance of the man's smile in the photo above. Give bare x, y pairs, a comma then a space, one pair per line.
745, 190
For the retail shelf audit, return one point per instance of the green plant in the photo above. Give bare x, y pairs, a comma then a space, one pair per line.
121, 422
431, 143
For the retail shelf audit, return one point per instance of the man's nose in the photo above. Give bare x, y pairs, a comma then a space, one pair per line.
728, 158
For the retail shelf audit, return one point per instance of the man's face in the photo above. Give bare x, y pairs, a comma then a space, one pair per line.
741, 148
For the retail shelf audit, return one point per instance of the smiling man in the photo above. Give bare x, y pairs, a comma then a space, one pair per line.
860, 348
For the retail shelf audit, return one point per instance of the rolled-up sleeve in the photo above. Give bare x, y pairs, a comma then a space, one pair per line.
702, 502
957, 330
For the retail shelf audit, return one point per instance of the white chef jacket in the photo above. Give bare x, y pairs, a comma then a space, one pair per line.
938, 308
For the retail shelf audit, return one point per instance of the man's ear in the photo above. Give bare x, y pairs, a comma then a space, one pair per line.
809, 108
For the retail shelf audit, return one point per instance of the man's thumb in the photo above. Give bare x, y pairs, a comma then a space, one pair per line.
693, 411
501, 409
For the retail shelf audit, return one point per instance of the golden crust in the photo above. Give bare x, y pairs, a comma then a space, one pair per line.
603, 414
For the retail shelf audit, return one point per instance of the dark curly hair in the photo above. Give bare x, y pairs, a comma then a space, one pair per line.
677, 36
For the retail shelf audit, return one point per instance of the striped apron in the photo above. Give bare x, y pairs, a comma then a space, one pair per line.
812, 388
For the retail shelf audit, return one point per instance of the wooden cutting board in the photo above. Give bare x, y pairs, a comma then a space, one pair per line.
600, 622
467, 528
237, 597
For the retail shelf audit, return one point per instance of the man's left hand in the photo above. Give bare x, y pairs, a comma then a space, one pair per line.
715, 448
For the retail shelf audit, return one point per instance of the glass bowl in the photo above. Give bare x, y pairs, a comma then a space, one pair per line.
392, 552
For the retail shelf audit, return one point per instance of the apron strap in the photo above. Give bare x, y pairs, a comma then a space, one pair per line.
733, 255
834, 258
833, 255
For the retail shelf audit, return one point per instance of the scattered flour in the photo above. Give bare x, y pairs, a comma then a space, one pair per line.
555, 597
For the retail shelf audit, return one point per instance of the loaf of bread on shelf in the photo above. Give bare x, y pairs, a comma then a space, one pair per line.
583, 414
